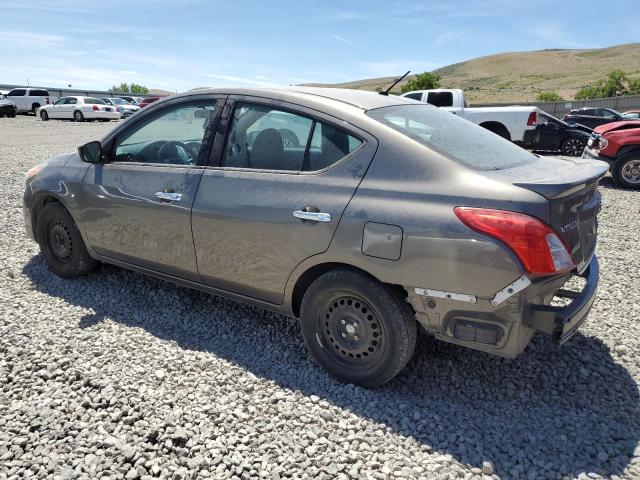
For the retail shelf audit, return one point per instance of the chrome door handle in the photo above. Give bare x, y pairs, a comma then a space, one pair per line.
171, 196
312, 216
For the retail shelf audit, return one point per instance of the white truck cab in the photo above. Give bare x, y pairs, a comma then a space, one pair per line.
508, 122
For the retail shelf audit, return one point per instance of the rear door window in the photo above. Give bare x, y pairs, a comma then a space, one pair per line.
18, 92
328, 145
266, 138
440, 99
39, 93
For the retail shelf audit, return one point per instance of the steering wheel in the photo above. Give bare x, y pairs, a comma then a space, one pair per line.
165, 155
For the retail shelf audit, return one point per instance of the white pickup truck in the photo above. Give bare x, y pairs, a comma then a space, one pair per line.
508, 122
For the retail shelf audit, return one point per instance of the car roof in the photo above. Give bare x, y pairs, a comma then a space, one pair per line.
361, 99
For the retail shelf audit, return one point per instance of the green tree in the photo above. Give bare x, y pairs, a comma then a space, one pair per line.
549, 97
126, 88
634, 87
612, 86
423, 81
135, 88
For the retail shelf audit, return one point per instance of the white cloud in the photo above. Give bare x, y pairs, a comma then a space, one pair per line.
345, 41
554, 34
30, 39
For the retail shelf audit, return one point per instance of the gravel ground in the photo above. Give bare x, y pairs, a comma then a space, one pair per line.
118, 375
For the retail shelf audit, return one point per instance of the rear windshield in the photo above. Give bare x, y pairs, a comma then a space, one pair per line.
440, 99
460, 140
39, 93
93, 101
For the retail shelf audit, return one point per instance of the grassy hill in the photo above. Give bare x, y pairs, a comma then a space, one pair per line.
520, 76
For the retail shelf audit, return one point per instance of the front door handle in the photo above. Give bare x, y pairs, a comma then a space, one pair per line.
312, 216
169, 196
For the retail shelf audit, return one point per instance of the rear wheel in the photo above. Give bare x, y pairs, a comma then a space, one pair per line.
626, 171
573, 146
61, 243
78, 116
498, 129
44, 115
359, 330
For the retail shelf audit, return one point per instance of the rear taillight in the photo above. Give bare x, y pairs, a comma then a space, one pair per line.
96, 108
46, 100
533, 119
535, 243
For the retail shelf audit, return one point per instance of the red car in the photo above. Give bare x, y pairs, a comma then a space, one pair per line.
147, 101
618, 144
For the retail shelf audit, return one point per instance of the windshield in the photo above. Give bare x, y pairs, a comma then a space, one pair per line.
460, 140
547, 118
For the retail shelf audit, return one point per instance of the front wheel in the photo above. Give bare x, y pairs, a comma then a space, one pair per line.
61, 243
357, 329
626, 171
573, 146
78, 116
44, 115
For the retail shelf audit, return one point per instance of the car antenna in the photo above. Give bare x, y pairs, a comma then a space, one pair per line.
386, 92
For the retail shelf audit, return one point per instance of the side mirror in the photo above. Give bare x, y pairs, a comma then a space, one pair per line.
91, 152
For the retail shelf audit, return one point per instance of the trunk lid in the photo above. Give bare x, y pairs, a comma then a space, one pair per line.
571, 187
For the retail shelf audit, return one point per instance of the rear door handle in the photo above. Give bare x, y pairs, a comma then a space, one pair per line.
312, 216
170, 196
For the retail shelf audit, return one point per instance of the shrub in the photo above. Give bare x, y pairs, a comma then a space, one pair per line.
549, 97
423, 81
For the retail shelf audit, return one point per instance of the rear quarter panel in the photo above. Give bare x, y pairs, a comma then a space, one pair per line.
415, 189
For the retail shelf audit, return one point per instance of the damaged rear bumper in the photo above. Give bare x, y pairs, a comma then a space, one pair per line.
563, 322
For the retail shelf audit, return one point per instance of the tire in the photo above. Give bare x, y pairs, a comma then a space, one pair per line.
357, 329
573, 146
44, 115
626, 171
78, 116
61, 243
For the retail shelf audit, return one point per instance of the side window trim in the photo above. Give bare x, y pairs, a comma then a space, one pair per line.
217, 151
156, 112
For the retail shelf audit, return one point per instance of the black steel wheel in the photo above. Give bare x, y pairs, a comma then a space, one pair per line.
61, 243
358, 329
573, 146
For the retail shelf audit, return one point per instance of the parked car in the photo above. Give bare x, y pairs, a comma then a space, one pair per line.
146, 101
131, 100
384, 215
631, 115
552, 134
7, 107
592, 117
509, 122
28, 99
79, 109
125, 108
618, 144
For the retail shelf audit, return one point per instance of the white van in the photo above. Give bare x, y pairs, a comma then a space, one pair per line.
28, 99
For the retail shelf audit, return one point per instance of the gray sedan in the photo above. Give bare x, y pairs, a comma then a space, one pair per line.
365, 216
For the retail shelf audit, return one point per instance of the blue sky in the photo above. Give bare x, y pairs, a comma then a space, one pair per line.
178, 45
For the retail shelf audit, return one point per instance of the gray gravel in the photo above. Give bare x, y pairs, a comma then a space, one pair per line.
117, 375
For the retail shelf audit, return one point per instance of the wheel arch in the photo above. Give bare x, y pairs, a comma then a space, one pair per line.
497, 127
629, 149
311, 274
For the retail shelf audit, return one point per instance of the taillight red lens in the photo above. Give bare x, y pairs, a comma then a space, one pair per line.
96, 108
533, 119
535, 243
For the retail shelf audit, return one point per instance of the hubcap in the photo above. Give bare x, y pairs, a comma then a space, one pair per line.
574, 147
631, 171
60, 242
352, 328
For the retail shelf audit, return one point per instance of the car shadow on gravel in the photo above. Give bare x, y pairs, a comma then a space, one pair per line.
552, 412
